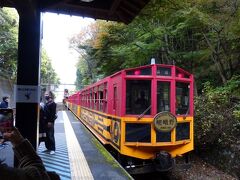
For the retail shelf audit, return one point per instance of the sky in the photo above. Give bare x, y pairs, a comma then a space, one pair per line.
57, 29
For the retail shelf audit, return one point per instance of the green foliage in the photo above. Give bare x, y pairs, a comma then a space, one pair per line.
200, 36
8, 42
48, 74
83, 78
8, 49
217, 120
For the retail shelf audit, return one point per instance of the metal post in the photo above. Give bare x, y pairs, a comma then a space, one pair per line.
28, 67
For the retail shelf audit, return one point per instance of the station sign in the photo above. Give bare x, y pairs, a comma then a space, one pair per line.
164, 121
27, 94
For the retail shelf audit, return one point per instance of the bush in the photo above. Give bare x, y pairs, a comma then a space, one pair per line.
217, 116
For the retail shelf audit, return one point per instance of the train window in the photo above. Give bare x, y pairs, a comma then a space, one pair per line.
182, 98
95, 100
136, 132
90, 102
145, 71
100, 100
105, 101
181, 74
163, 96
82, 99
163, 136
162, 71
138, 96
183, 131
115, 98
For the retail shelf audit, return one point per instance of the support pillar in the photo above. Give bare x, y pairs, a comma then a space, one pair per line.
28, 67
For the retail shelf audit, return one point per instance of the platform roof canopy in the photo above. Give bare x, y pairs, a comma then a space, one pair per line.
115, 10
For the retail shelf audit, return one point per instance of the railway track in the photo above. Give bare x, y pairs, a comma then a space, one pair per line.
199, 170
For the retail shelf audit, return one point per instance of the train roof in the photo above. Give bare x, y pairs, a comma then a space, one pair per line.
159, 65
106, 79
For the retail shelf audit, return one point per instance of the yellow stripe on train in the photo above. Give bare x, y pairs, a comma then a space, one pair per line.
112, 130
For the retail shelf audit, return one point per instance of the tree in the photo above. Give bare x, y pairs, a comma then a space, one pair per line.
8, 49
8, 42
48, 74
86, 67
199, 36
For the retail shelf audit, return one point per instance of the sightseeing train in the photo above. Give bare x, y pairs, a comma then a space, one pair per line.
145, 114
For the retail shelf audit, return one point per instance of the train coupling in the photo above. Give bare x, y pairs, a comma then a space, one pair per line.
163, 161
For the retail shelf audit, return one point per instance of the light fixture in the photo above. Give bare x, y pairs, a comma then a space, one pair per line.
153, 61
87, 0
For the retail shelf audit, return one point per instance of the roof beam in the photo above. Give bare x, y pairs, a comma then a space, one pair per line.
54, 3
71, 9
114, 7
123, 18
127, 11
115, 10
142, 3
6, 3
20, 6
85, 8
131, 5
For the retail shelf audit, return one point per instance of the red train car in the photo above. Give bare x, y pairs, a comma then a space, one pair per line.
144, 113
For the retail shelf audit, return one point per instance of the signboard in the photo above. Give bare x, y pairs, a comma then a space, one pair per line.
27, 94
164, 121
116, 132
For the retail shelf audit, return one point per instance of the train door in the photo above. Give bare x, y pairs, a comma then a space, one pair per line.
163, 96
138, 97
182, 98
115, 122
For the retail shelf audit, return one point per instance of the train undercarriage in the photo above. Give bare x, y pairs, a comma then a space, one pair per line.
162, 163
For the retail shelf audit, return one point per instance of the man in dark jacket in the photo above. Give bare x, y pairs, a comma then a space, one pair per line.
4, 103
50, 114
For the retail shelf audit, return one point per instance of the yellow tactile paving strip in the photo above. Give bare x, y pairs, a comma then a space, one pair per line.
78, 164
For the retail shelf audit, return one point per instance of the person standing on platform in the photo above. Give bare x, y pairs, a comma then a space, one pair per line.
4, 103
42, 124
50, 114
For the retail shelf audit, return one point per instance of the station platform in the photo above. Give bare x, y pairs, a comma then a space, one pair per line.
79, 156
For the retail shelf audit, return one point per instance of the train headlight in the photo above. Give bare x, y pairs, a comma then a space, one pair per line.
164, 121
